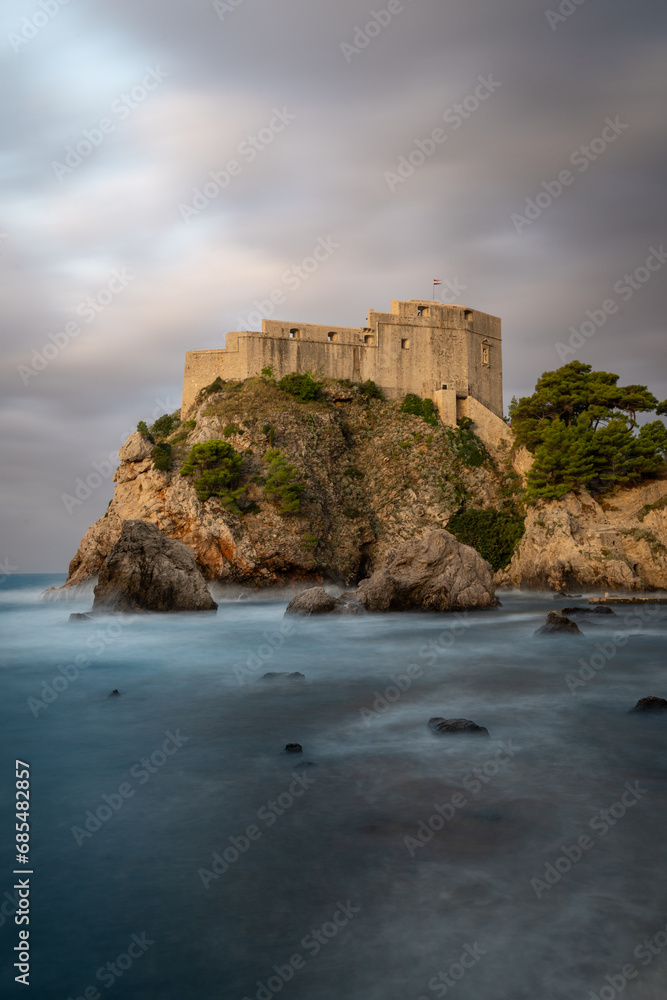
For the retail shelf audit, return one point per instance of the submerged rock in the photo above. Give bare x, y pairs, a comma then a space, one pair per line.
557, 622
146, 571
599, 609
650, 704
434, 573
317, 601
294, 748
283, 675
115, 693
439, 726
80, 616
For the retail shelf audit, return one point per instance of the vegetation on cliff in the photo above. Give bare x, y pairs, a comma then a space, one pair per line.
582, 428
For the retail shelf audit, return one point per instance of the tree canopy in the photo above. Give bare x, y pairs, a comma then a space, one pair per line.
582, 429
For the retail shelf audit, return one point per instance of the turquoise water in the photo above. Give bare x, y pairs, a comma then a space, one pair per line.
231, 869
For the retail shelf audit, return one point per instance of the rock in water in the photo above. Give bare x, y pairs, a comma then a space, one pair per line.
434, 573
599, 609
316, 601
146, 571
558, 623
650, 704
439, 726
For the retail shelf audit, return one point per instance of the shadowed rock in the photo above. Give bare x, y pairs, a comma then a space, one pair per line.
650, 704
434, 573
294, 748
442, 726
316, 601
146, 571
80, 616
557, 622
599, 609
282, 675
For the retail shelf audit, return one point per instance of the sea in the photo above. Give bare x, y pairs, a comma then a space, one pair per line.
177, 850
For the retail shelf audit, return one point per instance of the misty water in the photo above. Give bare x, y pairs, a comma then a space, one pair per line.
325, 899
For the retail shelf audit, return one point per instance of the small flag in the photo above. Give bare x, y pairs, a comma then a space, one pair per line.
436, 281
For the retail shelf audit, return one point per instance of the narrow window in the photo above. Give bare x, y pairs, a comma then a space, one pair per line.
468, 314
293, 333
331, 337
444, 386
485, 352
405, 344
422, 310
368, 339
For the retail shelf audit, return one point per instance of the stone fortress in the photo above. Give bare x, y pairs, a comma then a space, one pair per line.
448, 353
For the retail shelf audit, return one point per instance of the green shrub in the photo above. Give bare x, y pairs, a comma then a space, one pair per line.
469, 449
418, 407
494, 533
217, 469
281, 483
352, 513
269, 374
231, 429
164, 425
190, 425
269, 430
303, 387
354, 473
371, 390
162, 458
143, 429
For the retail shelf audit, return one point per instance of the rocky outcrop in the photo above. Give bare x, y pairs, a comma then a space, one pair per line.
577, 542
650, 704
441, 726
145, 571
434, 573
557, 623
374, 478
317, 601
600, 609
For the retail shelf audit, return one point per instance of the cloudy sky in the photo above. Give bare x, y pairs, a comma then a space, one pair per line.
118, 112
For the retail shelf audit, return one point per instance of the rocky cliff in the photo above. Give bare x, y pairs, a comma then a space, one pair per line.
374, 477
579, 543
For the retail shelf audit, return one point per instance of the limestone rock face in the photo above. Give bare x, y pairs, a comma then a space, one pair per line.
136, 448
576, 542
146, 571
434, 573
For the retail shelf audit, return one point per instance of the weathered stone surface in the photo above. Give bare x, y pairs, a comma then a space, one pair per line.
316, 601
600, 609
442, 726
650, 704
146, 571
136, 448
434, 573
557, 622
576, 543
